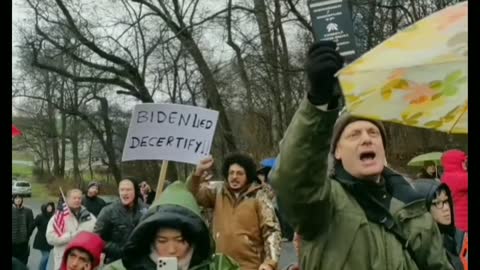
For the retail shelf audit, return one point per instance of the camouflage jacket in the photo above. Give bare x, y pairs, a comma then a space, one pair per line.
244, 227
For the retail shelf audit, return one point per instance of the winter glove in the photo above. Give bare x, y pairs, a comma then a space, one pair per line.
323, 61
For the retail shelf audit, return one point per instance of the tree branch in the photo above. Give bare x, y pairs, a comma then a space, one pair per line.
90, 44
122, 92
167, 19
74, 56
299, 16
114, 81
404, 9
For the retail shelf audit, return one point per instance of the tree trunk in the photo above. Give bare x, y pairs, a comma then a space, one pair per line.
371, 23
47, 156
414, 10
270, 57
64, 132
74, 138
52, 124
90, 148
285, 65
241, 64
394, 18
276, 88
109, 147
75, 133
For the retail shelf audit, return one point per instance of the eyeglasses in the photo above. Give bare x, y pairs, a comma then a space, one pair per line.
439, 204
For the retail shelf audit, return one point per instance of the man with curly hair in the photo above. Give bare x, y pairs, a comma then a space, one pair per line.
245, 226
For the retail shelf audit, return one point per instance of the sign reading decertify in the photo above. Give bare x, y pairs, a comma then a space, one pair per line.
332, 20
170, 132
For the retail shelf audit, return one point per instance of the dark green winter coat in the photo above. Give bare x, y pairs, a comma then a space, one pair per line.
336, 232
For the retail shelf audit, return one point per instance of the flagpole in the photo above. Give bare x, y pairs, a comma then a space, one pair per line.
161, 179
63, 196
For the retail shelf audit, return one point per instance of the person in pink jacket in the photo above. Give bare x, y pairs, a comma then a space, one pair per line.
455, 175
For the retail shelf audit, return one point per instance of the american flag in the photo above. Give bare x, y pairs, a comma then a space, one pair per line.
61, 215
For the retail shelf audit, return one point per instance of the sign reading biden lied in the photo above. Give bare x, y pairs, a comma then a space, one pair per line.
170, 132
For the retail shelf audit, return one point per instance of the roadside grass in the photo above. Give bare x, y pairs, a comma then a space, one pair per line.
22, 171
41, 192
48, 191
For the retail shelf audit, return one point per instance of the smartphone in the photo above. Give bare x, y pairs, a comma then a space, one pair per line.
167, 263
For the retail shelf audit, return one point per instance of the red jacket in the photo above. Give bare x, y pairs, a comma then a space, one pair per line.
89, 242
456, 177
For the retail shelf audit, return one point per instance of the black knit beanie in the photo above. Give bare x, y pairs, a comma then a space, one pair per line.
93, 183
343, 121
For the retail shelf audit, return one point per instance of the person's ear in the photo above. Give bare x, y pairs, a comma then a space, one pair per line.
337, 153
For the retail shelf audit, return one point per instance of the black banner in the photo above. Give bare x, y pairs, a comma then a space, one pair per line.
332, 20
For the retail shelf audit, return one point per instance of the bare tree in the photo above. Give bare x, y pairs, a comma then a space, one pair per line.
175, 16
127, 71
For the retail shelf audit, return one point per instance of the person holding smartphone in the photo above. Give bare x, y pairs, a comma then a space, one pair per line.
172, 235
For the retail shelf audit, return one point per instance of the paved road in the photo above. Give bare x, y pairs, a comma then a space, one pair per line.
22, 162
34, 259
288, 254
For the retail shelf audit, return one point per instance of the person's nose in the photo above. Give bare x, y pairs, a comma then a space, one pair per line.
172, 250
365, 138
74, 262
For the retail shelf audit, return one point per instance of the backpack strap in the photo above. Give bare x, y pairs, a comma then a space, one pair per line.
405, 243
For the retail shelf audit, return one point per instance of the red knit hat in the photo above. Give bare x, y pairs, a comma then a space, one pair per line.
88, 242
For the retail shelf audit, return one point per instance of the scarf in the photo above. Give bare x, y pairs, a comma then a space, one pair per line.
364, 191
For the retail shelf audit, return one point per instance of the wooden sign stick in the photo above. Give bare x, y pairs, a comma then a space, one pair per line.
161, 178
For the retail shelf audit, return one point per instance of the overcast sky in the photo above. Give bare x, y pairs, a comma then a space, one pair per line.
18, 14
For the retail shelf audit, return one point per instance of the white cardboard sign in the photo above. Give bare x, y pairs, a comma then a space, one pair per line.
172, 132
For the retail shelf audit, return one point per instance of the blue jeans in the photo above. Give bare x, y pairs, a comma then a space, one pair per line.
44, 260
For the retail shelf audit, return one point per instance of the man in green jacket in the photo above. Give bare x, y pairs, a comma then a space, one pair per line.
351, 211
172, 227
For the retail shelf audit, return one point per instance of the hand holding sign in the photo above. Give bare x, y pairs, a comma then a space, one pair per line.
323, 61
204, 168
